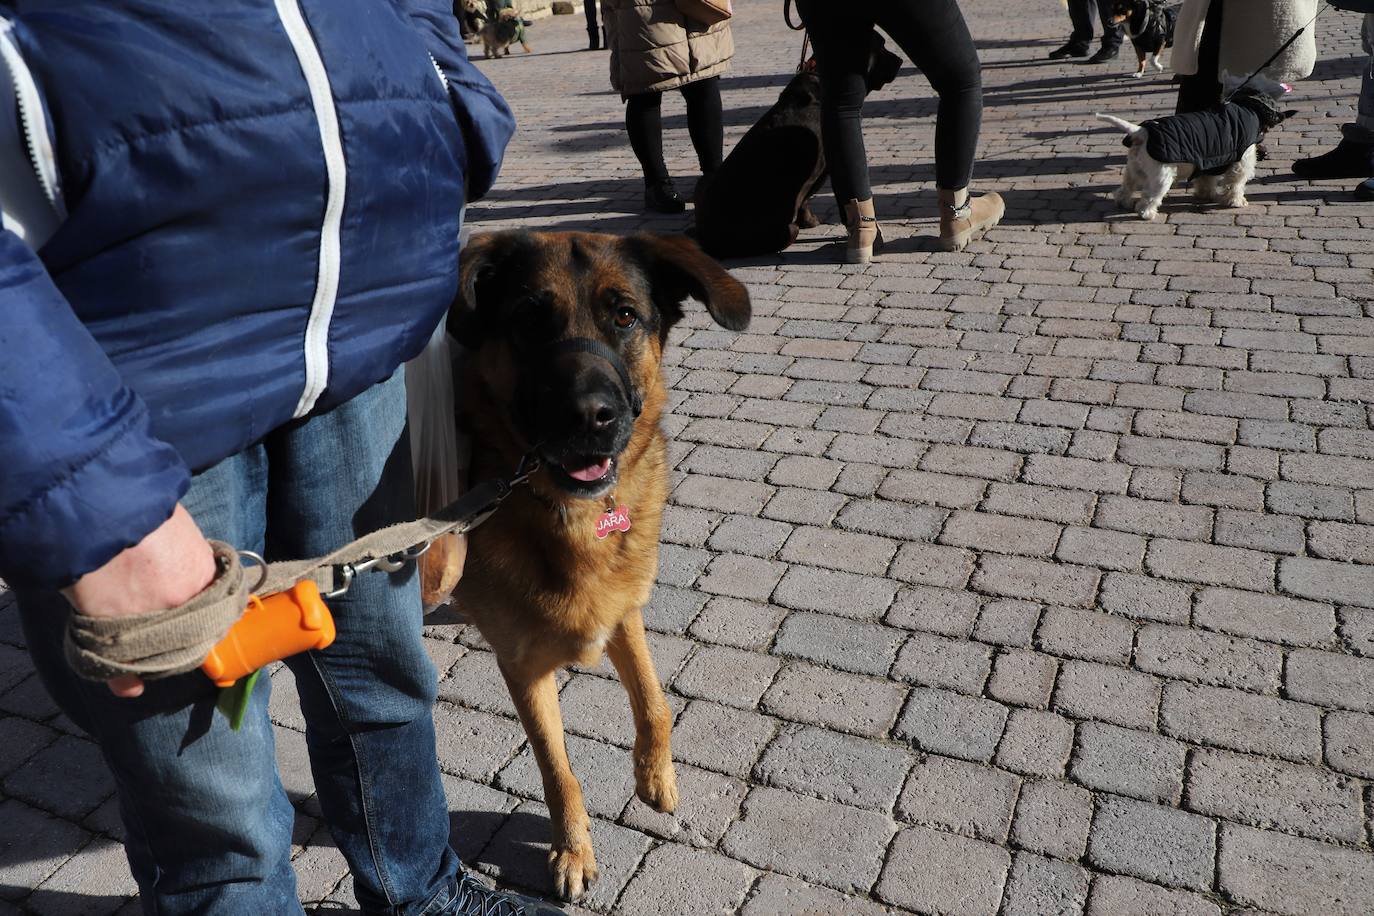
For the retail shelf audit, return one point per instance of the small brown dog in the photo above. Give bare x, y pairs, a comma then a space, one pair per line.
567, 332
502, 32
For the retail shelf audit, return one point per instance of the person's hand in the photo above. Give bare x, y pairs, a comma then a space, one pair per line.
170, 566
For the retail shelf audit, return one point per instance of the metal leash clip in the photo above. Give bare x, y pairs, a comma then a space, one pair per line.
345, 572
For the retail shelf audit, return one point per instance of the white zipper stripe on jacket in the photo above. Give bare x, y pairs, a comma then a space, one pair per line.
327, 278
32, 120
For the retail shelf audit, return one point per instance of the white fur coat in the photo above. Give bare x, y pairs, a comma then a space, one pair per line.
1251, 30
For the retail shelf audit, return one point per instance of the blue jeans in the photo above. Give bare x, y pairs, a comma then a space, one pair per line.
208, 824
1361, 130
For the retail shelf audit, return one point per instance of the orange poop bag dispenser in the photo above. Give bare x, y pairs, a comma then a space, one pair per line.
272, 628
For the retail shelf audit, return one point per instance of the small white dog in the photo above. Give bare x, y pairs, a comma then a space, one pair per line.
1217, 146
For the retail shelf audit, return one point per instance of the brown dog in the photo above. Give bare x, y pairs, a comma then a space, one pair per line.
568, 331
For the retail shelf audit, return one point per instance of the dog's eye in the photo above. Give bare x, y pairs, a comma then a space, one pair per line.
625, 318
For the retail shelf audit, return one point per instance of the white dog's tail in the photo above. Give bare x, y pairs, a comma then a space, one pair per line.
1134, 131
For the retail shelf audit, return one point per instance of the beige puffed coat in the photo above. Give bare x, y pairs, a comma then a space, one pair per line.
1251, 30
654, 47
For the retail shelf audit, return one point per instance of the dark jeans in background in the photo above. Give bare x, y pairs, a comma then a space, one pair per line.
934, 36
1081, 15
644, 124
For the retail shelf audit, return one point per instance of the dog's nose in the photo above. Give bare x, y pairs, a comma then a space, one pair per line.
596, 411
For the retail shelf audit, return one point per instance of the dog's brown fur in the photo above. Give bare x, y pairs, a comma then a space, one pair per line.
499, 34
542, 589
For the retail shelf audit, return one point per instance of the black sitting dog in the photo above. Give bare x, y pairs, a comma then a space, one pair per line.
756, 202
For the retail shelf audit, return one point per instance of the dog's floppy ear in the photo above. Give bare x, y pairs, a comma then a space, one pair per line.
677, 268
485, 267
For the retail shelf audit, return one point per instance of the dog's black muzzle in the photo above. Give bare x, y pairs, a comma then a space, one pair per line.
582, 415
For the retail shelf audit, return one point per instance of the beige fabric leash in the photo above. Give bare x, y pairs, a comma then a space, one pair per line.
177, 640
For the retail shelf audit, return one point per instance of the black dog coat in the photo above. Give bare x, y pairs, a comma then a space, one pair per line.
1211, 140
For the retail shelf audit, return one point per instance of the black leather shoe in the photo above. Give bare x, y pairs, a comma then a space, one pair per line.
662, 197
1071, 49
1104, 54
476, 899
1347, 160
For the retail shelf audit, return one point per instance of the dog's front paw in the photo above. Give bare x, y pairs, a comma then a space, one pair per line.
1237, 202
656, 786
1148, 213
573, 866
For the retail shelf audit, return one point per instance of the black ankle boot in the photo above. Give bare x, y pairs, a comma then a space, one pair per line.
1347, 160
662, 197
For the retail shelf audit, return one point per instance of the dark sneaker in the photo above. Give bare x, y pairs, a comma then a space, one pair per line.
1365, 190
662, 197
1071, 49
476, 899
1347, 160
1104, 54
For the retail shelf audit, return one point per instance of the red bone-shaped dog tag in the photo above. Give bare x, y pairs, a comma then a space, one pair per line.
617, 519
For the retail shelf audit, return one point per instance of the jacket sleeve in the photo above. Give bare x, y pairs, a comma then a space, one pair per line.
483, 115
83, 477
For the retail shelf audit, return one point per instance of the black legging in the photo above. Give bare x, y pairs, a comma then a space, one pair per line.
644, 124
934, 36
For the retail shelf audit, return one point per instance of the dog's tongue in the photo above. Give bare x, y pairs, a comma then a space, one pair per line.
589, 472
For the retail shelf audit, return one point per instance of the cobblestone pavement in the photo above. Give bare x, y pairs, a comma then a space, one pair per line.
1034, 579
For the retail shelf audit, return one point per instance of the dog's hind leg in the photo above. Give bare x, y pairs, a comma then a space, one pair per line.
655, 779
571, 859
1155, 184
1140, 57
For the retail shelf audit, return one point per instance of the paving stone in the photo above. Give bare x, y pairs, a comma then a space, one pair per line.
1326, 580
1107, 693
671, 609
745, 534
725, 675
1145, 598
1043, 887
1271, 794
779, 895
1241, 721
1000, 533
849, 551
864, 648
930, 564
963, 797
1350, 743
779, 832
1294, 876
1048, 503
68, 777
738, 576
811, 588
835, 767
935, 661
1209, 658
1035, 743
20, 739
1330, 679
1052, 817
475, 813
946, 723
1270, 617
1209, 565
930, 871
1020, 577
1085, 634
1129, 762
598, 708
1101, 548
892, 519
474, 744
832, 699
1117, 894
721, 738
675, 879
33, 846
742, 624
1007, 622
934, 610
1158, 844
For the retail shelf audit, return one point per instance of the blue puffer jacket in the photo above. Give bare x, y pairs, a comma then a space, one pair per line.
255, 210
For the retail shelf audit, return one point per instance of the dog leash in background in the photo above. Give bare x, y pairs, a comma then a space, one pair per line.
1273, 57
797, 27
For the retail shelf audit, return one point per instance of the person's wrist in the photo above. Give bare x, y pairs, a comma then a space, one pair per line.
171, 565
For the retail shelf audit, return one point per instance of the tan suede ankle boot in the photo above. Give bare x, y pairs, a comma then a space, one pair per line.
962, 219
864, 233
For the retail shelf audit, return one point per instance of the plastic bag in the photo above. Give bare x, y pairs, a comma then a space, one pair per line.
439, 455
